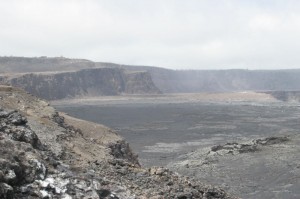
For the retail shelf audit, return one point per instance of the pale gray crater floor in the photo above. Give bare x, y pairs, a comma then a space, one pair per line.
181, 136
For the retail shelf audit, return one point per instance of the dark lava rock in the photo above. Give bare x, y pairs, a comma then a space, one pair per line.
250, 147
17, 119
28, 136
272, 140
121, 150
6, 191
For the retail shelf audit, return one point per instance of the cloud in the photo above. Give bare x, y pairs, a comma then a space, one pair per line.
208, 34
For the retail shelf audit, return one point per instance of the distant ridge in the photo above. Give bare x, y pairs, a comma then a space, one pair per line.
191, 81
144, 80
59, 78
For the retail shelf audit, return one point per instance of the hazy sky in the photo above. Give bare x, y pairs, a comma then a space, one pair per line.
181, 34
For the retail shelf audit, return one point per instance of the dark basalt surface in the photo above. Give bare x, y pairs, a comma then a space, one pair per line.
250, 149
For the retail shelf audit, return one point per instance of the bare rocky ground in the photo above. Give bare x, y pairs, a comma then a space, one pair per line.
247, 143
45, 154
260, 168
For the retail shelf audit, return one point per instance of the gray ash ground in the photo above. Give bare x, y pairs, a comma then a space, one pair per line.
184, 137
161, 132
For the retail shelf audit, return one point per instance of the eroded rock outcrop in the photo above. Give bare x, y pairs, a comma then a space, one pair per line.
248, 147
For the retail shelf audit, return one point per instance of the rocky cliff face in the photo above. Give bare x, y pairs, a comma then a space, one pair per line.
79, 77
84, 83
185, 81
45, 154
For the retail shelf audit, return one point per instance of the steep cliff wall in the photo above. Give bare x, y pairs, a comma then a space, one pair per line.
183, 81
166, 80
86, 82
139, 83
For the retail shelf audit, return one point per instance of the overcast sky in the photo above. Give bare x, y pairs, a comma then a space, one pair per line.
179, 34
